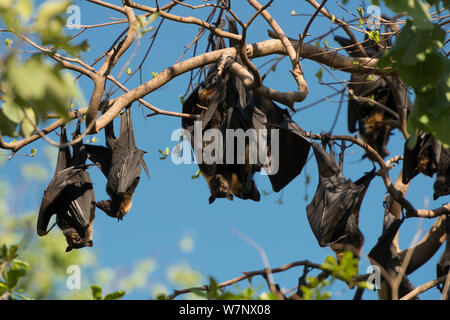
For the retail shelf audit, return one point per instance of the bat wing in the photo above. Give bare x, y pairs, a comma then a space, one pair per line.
82, 198
53, 190
326, 165
129, 172
101, 156
410, 159
126, 129
53, 200
364, 181
335, 200
426, 154
293, 153
292, 146
64, 156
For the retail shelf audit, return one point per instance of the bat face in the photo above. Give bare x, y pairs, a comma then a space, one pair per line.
77, 240
70, 195
121, 162
219, 188
334, 210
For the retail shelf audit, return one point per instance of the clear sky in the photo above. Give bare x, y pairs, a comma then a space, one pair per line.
171, 205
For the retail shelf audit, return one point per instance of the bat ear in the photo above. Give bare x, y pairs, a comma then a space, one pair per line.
69, 248
256, 196
211, 199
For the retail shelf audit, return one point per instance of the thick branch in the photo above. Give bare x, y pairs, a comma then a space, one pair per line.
111, 59
425, 287
296, 71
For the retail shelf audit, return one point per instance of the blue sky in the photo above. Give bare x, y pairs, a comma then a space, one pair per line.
171, 205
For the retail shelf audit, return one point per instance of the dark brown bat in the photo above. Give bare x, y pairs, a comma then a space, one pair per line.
222, 102
385, 254
121, 162
428, 157
441, 185
70, 196
424, 158
333, 213
372, 121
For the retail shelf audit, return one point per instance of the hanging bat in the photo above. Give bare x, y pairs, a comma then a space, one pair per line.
121, 162
372, 121
428, 157
333, 213
441, 185
443, 266
385, 255
70, 196
222, 102
424, 158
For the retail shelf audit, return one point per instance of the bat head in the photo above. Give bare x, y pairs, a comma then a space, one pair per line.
441, 186
78, 240
220, 188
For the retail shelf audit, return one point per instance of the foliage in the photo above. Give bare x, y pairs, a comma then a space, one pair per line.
11, 271
33, 87
97, 294
420, 63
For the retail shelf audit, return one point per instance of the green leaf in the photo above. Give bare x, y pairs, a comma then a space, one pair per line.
4, 252
21, 264
96, 292
25, 8
13, 252
8, 43
374, 35
360, 11
50, 9
319, 74
12, 111
153, 17
196, 175
3, 288
14, 274
115, 295
28, 124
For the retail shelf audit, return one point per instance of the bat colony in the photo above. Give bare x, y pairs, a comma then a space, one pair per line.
222, 102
